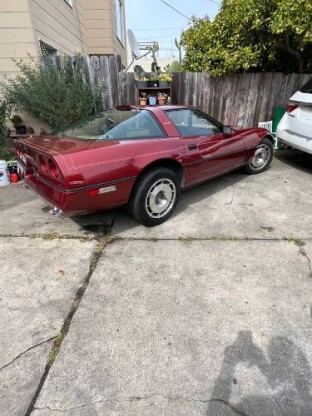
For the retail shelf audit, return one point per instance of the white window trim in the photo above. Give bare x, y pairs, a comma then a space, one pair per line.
69, 2
120, 13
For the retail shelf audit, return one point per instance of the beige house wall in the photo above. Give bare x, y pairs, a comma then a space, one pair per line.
59, 25
88, 26
16, 33
100, 26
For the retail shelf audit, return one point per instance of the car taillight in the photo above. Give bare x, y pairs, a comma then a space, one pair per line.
18, 150
93, 192
54, 170
43, 165
291, 106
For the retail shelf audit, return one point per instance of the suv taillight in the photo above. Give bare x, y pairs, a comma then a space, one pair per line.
291, 106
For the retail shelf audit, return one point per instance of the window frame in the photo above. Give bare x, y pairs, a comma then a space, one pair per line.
119, 21
70, 3
193, 111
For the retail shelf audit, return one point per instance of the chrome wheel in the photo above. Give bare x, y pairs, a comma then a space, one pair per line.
160, 198
261, 157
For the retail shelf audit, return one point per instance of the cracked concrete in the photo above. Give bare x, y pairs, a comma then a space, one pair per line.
38, 281
208, 314
164, 324
304, 253
26, 351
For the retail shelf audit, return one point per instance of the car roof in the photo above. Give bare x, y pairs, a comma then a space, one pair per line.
153, 107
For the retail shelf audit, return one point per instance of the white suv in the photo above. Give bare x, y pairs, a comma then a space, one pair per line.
295, 128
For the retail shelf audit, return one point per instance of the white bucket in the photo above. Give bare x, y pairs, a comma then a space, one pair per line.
4, 174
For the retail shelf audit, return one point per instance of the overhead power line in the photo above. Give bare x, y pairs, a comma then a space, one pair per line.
171, 7
153, 30
161, 36
182, 14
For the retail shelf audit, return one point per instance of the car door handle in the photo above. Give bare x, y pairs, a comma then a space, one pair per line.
192, 146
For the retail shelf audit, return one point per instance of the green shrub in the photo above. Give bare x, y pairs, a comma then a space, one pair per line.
56, 94
175, 67
6, 154
4, 115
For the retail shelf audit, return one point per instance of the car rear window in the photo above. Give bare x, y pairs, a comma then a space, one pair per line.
307, 87
114, 124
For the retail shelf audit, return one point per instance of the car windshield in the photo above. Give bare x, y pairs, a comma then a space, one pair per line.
115, 124
307, 87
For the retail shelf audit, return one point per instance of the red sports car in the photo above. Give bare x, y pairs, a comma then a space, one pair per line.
139, 157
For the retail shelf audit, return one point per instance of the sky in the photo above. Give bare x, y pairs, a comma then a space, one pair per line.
152, 20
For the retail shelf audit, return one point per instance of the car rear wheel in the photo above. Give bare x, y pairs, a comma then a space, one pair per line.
262, 157
155, 196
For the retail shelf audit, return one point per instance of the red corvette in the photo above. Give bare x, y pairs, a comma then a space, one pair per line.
139, 157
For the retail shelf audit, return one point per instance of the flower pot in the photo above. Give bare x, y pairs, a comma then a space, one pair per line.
143, 101
162, 101
153, 83
152, 100
141, 84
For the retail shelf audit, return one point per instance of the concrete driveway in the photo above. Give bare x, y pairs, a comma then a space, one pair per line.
207, 314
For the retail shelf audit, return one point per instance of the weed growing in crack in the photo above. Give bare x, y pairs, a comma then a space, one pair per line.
188, 238
296, 241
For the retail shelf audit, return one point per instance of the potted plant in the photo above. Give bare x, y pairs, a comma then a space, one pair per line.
20, 128
161, 98
143, 99
164, 80
141, 81
153, 80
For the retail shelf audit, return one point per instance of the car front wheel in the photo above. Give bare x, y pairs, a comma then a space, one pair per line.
262, 157
155, 196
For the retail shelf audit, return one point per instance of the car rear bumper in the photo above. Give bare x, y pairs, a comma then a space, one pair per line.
82, 201
295, 140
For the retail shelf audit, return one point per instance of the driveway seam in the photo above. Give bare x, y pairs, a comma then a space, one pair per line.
295, 240
54, 236
54, 351
50, 236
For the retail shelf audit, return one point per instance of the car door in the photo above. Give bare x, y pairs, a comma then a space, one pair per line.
210, 151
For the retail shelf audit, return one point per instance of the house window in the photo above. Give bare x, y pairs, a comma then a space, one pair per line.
70, 2
120, 21
47, 50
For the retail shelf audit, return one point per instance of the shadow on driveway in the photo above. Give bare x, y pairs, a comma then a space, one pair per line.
296, 159
285, 369
98, 223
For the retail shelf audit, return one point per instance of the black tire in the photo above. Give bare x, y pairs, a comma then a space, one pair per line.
262, 158
144, 204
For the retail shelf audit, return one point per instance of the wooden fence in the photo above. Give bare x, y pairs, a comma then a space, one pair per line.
237, 100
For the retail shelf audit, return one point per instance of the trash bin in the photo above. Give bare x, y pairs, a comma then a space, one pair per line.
278, 114
4, 174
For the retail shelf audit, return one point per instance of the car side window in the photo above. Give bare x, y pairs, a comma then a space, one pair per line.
142, 125
192, 122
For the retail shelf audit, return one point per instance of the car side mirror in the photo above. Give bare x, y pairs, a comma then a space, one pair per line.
227, 130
